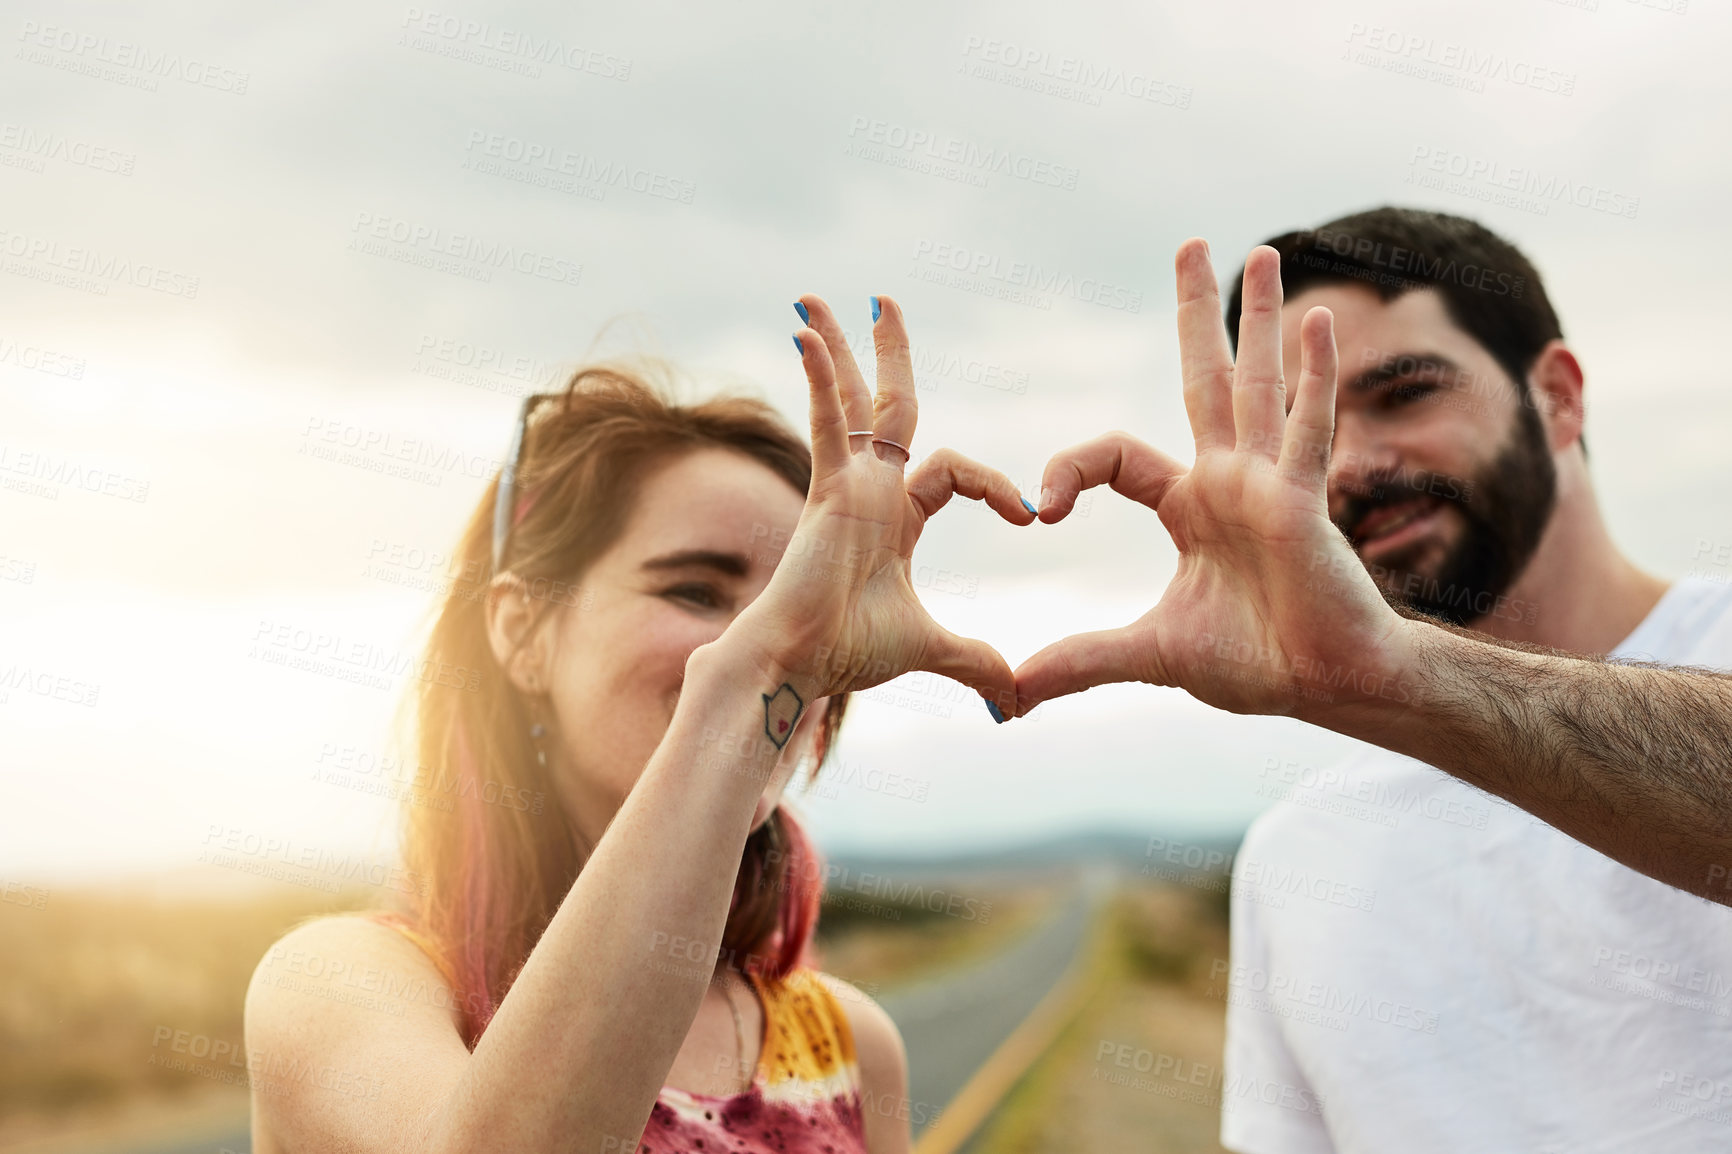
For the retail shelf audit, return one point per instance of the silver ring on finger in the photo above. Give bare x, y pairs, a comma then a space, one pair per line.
894, 445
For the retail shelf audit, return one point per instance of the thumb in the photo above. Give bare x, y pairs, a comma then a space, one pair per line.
977, 665
1078, 662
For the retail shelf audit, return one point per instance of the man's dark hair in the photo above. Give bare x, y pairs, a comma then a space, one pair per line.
1490, 290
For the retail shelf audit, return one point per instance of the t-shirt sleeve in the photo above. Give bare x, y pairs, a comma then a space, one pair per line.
1267, 1106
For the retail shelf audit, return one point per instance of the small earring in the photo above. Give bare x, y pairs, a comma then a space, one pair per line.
536, 733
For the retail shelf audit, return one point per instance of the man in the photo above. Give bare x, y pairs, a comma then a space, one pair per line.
1414, 965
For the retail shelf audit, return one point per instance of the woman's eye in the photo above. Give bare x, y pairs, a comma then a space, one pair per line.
704, 595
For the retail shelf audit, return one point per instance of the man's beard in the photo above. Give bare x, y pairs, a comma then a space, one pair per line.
1506, 506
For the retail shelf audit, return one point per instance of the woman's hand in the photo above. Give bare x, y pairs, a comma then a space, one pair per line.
840, 612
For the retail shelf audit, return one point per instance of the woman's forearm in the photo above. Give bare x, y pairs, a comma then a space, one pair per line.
579, 1047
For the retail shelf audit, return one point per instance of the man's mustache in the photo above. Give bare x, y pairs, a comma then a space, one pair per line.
1393, 487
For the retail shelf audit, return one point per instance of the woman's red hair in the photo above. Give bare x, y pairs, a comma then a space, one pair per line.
494, 866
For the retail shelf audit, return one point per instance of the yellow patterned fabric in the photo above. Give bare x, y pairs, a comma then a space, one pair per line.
805, 1092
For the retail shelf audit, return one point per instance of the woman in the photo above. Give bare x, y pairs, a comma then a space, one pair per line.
676, 600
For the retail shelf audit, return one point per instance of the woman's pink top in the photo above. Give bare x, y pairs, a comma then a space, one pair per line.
805, 1095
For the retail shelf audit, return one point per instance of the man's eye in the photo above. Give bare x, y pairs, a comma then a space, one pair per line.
1410, 391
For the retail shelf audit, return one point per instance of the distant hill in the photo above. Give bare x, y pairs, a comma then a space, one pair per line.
1175, 855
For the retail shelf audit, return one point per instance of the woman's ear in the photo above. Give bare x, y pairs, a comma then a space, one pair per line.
521, 647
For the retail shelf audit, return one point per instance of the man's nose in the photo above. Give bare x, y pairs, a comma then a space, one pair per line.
1356, 454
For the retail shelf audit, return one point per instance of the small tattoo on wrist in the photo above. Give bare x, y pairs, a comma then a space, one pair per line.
782, 711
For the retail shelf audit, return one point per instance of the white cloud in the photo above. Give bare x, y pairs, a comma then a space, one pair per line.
342, 124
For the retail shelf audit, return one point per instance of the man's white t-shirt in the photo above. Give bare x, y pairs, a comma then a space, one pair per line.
1419, 966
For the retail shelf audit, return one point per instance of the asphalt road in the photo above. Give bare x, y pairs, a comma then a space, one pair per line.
951, 1024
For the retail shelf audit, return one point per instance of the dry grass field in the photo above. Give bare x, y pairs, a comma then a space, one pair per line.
95, 987
1139, 1067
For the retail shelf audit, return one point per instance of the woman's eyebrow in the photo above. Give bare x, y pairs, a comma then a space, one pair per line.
732, 564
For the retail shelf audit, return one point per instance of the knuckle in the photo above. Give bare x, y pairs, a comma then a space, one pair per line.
1124, 444
1213, 377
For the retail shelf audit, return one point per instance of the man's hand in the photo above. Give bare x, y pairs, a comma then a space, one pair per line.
1270, 610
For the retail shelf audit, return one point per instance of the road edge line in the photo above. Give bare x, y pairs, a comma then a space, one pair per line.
1001, 1071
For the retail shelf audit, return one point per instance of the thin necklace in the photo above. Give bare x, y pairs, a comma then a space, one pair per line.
739, 1030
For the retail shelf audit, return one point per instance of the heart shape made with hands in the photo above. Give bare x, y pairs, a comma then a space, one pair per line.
1248, 621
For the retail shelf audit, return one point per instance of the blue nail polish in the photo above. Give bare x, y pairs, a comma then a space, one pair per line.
800, 347
805, 313
877, 309
992, 708
1029, 507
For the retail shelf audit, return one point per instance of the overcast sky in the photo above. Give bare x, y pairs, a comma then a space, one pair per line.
228, 241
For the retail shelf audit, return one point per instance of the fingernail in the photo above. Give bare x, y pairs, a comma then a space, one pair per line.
805, 314
992, 708
799, 346
877, 309
1029, 507
1045, 497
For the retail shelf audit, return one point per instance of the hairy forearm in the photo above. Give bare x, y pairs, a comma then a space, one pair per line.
580, 1046
1633, 760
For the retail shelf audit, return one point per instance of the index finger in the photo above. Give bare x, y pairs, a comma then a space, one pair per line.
1137, 470
948, 472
